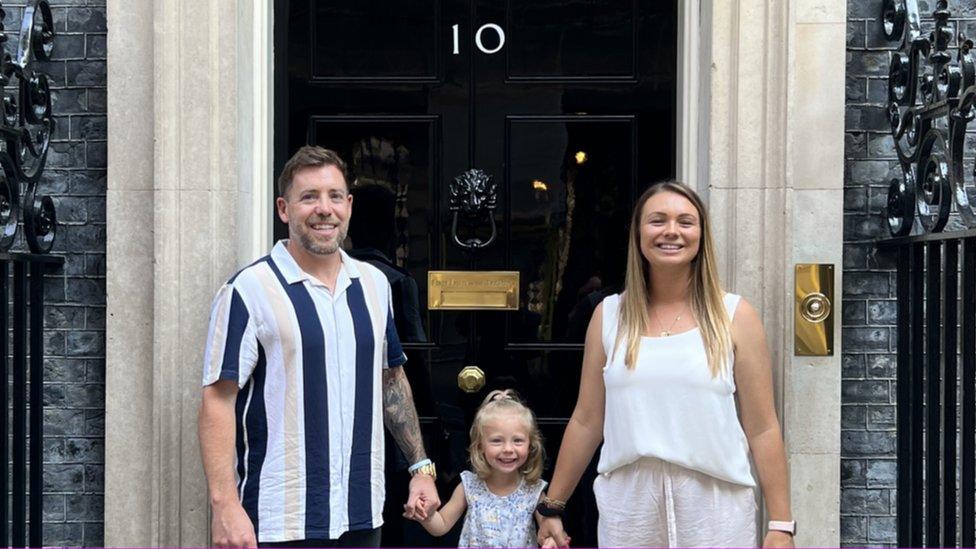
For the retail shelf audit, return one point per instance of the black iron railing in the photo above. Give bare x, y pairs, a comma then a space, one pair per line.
931, 102
936, 425
26, 126
26, 365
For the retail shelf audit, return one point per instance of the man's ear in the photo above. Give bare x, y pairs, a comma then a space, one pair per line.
282, 206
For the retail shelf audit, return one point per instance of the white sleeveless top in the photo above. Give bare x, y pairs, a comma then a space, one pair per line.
669, 406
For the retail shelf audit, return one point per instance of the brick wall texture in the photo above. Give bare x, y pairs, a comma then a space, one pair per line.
868, 389
868, 466
74, 366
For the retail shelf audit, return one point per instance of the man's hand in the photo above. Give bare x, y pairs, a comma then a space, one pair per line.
423, 498
232, 527
410, 511
775, 538
551, 527
549, 543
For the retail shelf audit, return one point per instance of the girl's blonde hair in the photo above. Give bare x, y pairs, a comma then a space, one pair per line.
499, 402
707, 297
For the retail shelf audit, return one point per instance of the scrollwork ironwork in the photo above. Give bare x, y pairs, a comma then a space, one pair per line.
26, 127
930, 103
474, 195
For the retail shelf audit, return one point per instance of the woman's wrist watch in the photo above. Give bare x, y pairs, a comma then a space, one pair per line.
550, 507
785, 526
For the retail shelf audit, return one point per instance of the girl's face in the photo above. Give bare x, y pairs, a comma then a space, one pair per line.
505, 443
670, 230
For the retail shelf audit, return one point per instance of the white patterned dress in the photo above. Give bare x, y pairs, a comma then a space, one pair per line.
499, 521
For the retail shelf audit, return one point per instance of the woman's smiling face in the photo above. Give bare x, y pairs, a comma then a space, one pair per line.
670, 230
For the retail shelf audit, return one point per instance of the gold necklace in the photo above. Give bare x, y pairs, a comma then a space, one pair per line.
667, 333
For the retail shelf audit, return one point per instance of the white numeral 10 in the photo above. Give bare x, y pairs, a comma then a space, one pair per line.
477, 38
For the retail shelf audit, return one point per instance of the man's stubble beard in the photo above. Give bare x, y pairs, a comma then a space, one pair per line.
323, 249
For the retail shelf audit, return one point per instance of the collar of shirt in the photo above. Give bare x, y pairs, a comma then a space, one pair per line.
293, 273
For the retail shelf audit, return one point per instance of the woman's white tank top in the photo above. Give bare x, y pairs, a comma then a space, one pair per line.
669, 406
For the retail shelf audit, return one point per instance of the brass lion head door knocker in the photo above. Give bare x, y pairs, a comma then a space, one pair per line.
473, 198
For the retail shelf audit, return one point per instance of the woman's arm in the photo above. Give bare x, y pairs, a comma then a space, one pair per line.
584, 430
754, 385
441, 521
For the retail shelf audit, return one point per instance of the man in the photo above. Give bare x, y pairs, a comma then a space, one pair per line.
302, 361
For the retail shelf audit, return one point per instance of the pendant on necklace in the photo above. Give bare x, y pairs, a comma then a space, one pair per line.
665, 334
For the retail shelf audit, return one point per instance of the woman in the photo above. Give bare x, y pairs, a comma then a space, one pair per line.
663, 364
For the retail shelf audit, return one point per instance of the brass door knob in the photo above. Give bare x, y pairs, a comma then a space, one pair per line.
471, 379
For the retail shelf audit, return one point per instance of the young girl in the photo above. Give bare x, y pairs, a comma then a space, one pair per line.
504, 488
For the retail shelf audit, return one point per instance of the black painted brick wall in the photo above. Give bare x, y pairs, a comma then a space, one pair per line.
74, 367
868, 466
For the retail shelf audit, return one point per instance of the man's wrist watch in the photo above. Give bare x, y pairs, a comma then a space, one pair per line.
423, 467
785, 526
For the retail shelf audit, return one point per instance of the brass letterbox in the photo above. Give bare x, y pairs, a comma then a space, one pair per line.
473, 290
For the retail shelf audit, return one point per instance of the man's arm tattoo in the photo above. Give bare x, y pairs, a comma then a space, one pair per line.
400, 414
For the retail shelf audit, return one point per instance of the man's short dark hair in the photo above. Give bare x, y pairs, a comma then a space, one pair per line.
310, 156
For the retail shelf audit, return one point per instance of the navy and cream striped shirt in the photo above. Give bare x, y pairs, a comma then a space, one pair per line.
309, 413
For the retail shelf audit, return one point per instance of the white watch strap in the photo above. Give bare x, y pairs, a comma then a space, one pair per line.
418, 465
788, 526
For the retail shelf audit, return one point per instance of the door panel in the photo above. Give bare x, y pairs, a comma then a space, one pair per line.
572, 116
558, 41
366, 40
566, 177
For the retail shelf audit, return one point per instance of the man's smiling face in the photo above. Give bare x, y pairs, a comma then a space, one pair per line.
317, 208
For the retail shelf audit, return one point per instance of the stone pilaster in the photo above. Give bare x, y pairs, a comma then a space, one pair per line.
183, 106
775, 187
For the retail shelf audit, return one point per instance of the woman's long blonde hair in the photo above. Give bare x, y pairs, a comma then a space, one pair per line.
707, 297
500, 402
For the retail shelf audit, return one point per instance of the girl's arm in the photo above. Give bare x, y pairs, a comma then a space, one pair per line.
754, 385
584, 430
440, 522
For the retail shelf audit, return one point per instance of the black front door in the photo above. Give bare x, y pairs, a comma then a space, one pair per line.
568, 105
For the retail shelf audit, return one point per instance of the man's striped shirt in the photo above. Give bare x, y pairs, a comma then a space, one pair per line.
309, 413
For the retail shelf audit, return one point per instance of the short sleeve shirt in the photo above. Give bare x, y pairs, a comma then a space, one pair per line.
309, 440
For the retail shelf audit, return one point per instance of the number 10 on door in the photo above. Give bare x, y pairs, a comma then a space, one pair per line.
477, 38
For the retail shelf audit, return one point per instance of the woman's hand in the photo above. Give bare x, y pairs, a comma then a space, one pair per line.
551, 529
775, 538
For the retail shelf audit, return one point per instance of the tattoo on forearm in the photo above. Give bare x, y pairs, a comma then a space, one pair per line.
400, 414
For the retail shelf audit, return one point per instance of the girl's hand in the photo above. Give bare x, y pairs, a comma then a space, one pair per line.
417, 512
549, 543
423, 499
775, 538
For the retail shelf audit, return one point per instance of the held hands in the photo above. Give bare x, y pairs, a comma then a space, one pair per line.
232, 527
549, 543
551, 530
423, 498
418, 512
775, 538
